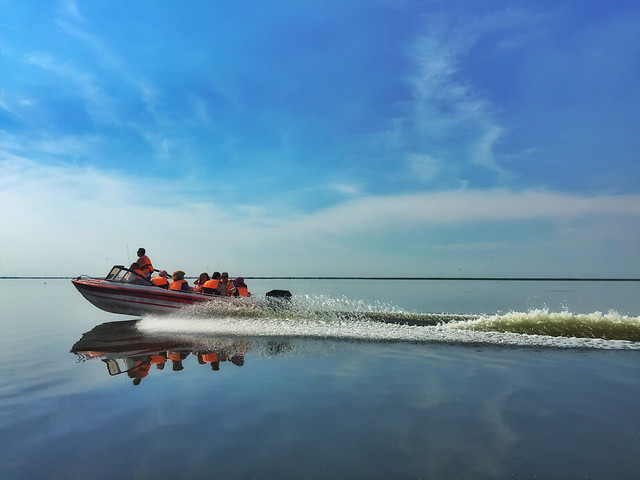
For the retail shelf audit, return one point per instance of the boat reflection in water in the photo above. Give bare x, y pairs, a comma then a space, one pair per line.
126, 350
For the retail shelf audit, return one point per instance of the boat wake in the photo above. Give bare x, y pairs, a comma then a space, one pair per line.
319, 317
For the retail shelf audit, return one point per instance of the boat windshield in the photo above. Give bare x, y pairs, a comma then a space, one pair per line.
121, 274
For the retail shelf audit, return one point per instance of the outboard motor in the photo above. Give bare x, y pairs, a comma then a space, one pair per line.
281, 294
278, 300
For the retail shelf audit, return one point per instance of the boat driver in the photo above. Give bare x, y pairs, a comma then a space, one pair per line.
144, 263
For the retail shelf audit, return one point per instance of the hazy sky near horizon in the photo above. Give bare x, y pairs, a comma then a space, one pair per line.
369, 137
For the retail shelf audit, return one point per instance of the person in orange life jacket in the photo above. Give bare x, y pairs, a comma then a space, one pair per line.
161, 280
140, 369
159, 359
199, 283
176, 359
240, 288
144, 263
225, 287
210, 287
209, 357
132, 277
179, 283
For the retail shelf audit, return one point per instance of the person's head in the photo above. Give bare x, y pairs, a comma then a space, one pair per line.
225, 277
203, 278
178, 275
141, 251
215, 275
134, 266
238, 360
163, 273
239, 282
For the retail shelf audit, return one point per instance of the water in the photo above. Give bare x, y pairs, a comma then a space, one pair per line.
369, 379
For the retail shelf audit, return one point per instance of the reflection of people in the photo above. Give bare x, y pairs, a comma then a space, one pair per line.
201, 280
176, 359
210, 287
211, 358
159, 359
144, 263
161, 280
179, 283
240, 288
140, 369
131, 353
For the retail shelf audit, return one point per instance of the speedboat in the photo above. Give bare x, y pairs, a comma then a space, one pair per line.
125, 292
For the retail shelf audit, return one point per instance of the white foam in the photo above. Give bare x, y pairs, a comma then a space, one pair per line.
330, 325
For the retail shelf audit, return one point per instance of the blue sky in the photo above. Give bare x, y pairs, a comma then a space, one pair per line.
418, 138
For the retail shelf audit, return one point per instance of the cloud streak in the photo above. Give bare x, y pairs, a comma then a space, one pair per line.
462, 206
447, 106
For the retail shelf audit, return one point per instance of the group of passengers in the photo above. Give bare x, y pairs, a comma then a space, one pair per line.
142, 363
217, 284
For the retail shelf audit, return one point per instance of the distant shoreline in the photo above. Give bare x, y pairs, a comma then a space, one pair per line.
507, 279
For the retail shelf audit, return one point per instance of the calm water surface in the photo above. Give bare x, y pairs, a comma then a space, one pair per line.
310, 394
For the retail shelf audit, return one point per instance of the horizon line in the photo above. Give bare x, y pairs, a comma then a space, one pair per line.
293, 277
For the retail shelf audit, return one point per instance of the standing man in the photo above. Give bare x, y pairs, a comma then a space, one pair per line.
144, 264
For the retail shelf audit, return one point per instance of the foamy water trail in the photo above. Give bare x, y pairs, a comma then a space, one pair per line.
318, 317
606, 326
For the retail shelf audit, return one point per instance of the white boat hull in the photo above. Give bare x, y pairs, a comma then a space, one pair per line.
138, 299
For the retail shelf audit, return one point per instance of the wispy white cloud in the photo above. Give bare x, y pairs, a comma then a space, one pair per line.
46, 148
482, 150
16, 105
102, 107
455, 117
160, 143
73, 24
466, 206
69, 9
446, 107
346, 189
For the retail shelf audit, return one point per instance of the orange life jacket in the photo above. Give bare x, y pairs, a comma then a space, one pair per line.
209, 357
158, 359
209, 287
140, 369
177, 285
175, 356
146, 267
242, 292
160, 282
